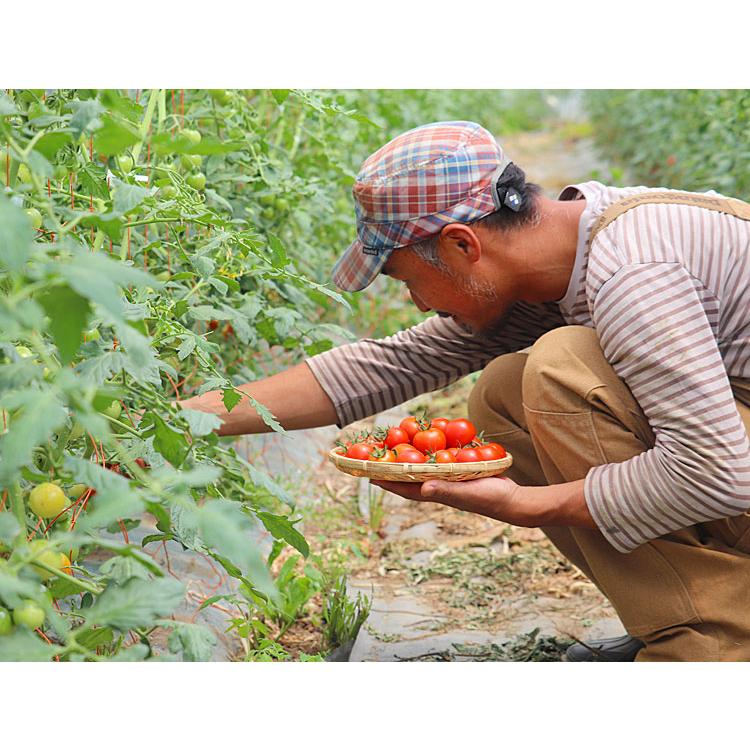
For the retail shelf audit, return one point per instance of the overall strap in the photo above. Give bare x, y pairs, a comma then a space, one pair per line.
732, 206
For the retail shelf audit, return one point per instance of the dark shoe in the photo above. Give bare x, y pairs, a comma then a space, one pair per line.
623, 648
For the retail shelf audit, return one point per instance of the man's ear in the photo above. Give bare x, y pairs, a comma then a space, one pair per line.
459, 241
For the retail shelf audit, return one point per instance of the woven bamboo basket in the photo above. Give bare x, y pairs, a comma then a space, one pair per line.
393, 472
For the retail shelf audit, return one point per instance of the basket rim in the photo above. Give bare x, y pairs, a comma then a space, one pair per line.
458, 467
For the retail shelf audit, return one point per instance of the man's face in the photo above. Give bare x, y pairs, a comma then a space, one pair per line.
472, 301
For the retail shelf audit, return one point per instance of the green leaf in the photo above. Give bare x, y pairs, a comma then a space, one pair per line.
136, 603
85, 114
121, 569
231, 398
7, 107
93, 637
164, 143
279, 257
41, 413
50, 143
23, 645
225, 527
201, 422
280, 95
68, 313
127, 197
281, 528
9, 528
186, 348
195, 642
16, 235
114, 136
169, 443
93, 181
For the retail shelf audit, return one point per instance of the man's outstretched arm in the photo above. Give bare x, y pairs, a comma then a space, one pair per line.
293, 396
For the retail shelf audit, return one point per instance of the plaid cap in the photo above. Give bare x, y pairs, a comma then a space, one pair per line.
415, 185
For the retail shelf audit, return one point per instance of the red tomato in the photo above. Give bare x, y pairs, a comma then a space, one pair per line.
395, 436
499, 448
459, 432
454, 451
410, 426
388, 456
439, 424
403, 447
360, 451
467, 455
410, 457
488, 452
429, 441
444, 457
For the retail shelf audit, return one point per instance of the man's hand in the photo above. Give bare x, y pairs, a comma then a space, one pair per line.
504, 500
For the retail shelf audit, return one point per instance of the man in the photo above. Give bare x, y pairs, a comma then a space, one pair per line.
615, 371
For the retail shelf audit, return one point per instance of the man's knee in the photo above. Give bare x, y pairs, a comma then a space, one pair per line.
499, 382
558, 362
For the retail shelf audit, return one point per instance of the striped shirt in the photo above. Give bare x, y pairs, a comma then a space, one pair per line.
667, 288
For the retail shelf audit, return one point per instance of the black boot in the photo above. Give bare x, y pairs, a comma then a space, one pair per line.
623, 648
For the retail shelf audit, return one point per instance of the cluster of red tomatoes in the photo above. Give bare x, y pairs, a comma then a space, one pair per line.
417, 440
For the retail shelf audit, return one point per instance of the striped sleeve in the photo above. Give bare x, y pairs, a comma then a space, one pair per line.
372, 375
654, 328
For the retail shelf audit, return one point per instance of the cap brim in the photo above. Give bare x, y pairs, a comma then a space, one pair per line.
355, 269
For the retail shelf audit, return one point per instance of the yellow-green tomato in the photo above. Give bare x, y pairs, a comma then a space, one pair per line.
77, 490
192, 135
125, 163
50, 558
6, 622
197, 180
163, 276
29, 613
24, 351
24, 175
168, 192
92, 335
34, 217
47, 500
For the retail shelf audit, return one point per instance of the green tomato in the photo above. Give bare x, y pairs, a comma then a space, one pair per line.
34, 217
6, 622
47, 500
197, 181
163, 276
221, 96
192, 135
24, 175
113, 410
125, 163
191, 161
24, 351
30, 614
282, 204
61, 172
93, 335
77, 490
168, 192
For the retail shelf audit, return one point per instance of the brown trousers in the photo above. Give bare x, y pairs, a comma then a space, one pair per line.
560, 409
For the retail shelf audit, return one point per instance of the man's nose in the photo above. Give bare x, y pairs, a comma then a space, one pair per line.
418, 302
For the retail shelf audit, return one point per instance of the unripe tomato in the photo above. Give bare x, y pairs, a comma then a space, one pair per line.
168, 192
459, 432
410, 426
468, 455
34, 217
24, 175
444, 457
360, 451
197, 181
439, 424
6, 622
125, 163
221, 96
56, 560
24, 351
61, 172
163, 276
191, 161
192, 135
77, 490
411, 457
47, 500
93, 335
29, 613
429, 441
394, 436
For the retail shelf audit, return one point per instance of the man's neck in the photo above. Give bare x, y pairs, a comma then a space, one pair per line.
543, 256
